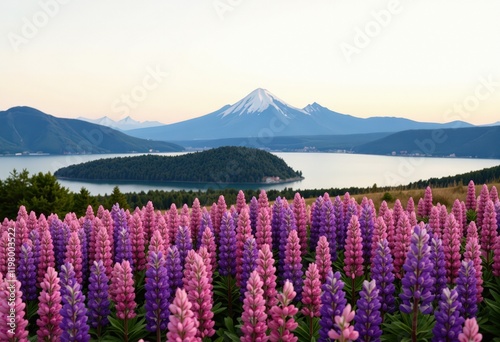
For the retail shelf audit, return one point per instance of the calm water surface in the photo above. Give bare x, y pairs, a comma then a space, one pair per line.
321, 170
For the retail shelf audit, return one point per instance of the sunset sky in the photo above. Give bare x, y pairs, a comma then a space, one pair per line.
172, 60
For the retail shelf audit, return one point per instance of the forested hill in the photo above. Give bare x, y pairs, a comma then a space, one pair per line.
220, 165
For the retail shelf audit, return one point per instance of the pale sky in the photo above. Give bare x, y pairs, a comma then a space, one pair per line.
172, 60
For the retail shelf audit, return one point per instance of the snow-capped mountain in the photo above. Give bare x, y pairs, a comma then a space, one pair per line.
262, 115
124, 124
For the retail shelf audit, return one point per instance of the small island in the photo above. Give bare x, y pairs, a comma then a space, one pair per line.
219, 165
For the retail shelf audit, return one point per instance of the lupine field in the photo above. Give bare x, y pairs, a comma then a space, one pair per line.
254, 270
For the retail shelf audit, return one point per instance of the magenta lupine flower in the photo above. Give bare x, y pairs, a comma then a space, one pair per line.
484, 197
253, 213
174, 269
438, 272
182, 325
293, 263
208, 241
74, 315
472, 230
366, 225
417, 281
21, 233
448, 320
157, 243
456, 210
195, 221
206, 222
263, 201
353, 262
227, 249
368, 313
157, 294
173, 223
4, 252
183, 242
333, 303
299, 211
470, 332
347, 332
240, 201
282, 322
381, 272
74, 255
397, 211
263, 231
221, 209
391, 229
473, 253
420, 207
434, 224
427, 201
46, 259
323, 259
84, 243
254, 311
340, 229
122, 290
35, 244
401, 244
328, 228
249, 264
451, 248
98, 296
496, 257
49, 308
8, 287
184, 216
467, 289
243, 233
276, 222
267, 273
494, 194
32, 221
488, 233
470, 202
103, 250
350, 211
200, 295
410, 205
94, 227
311, 293
379, 234
287, 225
26, 272
137, 241
205, 256
148, 220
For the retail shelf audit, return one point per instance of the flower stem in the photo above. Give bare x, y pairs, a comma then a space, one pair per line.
414, 321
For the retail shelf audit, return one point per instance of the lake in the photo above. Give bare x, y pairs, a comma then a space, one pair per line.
321, 170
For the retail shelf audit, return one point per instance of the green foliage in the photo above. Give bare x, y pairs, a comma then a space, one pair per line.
221, 165
471, 215
117, 197
82, 200
308, 329
397, 327
387, 197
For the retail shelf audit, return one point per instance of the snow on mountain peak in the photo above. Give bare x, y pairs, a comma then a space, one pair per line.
256, 102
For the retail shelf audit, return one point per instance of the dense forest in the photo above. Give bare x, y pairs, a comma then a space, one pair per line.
219, 165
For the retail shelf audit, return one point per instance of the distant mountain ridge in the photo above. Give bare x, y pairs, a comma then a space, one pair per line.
263, 115
124, 124
26, 129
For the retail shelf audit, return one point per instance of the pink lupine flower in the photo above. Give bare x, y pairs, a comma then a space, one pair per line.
484, 197
18, 332
137, 242
323, 258
488, 232
103, 250
470, 333
299, 211
182, 325
391, 229
473, 253
472, 230
4, 252
148, 220
470, 202
49, 308
401, 244
161, 227
254, 311
311, 293
208, 241
353, 250
451, 248
347, 332
243, 232
267, 273
173, 224
74, 255
240, 201
496, 257
263, 230
282, 322
195, 221
379, 234
410, 205
205, 256
427, 201
122, 290
156, 244
46, 259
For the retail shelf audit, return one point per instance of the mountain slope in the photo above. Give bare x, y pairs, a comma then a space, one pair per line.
28, 129
124, 124
264, 116
479, 142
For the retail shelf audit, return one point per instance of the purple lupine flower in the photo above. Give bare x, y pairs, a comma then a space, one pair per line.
448, 320
333, 303
119, 222
34, 236
287, 225
484, 197
85, 254
417, 281
316, 213
299, 211
59, 239
206, 221
26, 272
67, 277
74, 315
293, 263
438, 272
340, 230
328, 228
350, 210
276, 222
366, 224
368, 318
227, 249
382, 273
157, 294
253, 213
98, 296
174, 269
249, 264
467, 289
123, 247
183, 242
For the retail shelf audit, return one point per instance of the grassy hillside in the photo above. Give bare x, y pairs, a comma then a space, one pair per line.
220, 165
27, 129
